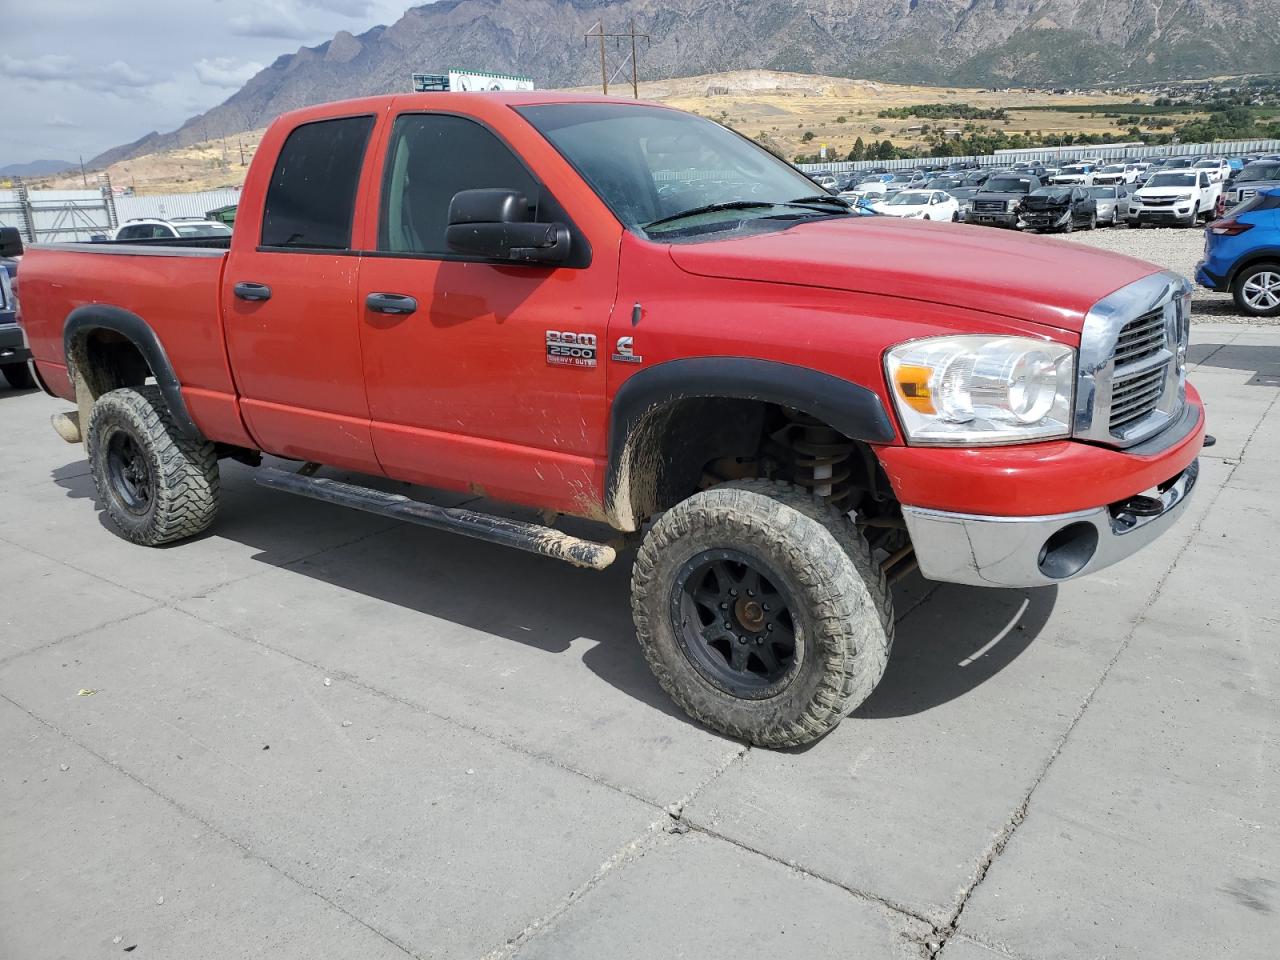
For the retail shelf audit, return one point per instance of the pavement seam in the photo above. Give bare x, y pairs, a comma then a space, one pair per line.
191, 814
859, 894
1019, 813
5, 661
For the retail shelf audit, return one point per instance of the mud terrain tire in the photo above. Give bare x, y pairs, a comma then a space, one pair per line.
156, 485
822, 575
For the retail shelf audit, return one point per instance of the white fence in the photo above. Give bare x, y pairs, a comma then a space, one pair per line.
50, 216
1063, 154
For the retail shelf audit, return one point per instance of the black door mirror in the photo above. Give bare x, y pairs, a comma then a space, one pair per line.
495, 224
10, 242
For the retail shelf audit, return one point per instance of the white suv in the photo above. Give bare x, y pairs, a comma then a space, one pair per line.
178, 228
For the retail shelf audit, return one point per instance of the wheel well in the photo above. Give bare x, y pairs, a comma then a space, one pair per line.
680, 447
107, 360
1258, 259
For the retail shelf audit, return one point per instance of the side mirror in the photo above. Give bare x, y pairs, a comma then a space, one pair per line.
494, 224
10, 242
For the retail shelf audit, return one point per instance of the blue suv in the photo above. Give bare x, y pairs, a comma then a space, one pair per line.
1242, 255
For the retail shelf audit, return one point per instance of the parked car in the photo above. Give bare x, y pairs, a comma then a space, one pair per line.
1258, 176
1242, 255
996, 204
944, 183
179, 228
920, 205
705, 374
873, 189
1217, 168
1117, 173
964, 199
225, 214
1175, 198
1112, 203
13, 348
976, 178
904, 180
1057, 208
1076, 174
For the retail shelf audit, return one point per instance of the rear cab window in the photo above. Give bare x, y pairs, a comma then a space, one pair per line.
311, 199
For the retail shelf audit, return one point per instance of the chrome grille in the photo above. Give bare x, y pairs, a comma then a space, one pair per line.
1131, 379
991, 206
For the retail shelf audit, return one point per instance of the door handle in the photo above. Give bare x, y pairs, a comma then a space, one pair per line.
394, 304
254, 292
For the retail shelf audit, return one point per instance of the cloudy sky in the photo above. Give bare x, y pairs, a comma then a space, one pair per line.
79, 76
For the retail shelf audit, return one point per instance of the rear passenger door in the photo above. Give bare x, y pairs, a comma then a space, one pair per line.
289, 302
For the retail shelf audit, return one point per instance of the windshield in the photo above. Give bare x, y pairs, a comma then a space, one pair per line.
1102, 193
1056, 192
1009, 185
903, 177
1176, 163
648, 163
1207, 164
909, 198
1073, 171
1114, 168
202, 229
1173, 180
1259, 171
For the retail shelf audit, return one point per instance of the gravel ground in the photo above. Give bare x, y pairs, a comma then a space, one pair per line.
1175, 249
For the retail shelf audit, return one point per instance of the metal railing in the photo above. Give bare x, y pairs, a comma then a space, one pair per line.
1060, 155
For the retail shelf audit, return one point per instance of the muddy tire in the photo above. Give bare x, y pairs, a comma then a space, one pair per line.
156, 485
761, 612
17, 375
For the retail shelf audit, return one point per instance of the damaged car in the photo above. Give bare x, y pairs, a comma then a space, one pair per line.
1058, 208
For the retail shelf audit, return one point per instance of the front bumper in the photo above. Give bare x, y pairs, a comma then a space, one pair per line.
1036, 551
1161, 215
990, 219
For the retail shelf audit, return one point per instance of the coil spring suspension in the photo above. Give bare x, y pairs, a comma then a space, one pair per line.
822, 458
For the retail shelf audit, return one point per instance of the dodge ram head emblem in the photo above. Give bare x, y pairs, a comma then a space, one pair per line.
625, 351
565, 349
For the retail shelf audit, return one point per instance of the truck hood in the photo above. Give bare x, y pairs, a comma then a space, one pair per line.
1044, 281
1057, 201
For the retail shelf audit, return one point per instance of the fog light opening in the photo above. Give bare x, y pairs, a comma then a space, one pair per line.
1069, 550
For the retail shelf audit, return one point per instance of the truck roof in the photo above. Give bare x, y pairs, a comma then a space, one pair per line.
448, 101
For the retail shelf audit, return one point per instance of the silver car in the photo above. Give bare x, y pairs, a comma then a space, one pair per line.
1112, 201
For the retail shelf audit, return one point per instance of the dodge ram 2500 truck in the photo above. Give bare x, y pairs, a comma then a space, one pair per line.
621, 312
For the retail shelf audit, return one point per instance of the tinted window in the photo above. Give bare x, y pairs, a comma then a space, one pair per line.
1259, 171
312, 198
432, 157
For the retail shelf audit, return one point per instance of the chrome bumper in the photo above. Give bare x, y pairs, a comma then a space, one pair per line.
1036, 551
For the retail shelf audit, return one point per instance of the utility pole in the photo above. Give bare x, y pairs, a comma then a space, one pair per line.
598, 32
83, 175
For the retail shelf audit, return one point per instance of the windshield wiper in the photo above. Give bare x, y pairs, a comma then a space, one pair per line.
820, 198
712, 208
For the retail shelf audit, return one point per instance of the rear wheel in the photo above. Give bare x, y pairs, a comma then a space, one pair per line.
1093, 221
155, 485
18, 376
1257, 290
761, 612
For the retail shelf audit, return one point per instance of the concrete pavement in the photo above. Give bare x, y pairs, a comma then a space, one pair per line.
314, 733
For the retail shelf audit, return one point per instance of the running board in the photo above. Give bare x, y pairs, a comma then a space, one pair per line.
530, 537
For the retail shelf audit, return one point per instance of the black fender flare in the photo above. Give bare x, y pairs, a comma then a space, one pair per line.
1260, 255
99, 316
849, 407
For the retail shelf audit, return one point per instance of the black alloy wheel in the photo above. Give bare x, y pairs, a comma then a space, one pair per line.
129, 473
732, 616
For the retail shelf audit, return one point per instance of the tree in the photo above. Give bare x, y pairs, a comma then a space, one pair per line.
859, 150
808, 135
886, 150
842, 119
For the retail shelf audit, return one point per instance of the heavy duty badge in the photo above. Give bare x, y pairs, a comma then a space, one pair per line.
565, 349
625, 351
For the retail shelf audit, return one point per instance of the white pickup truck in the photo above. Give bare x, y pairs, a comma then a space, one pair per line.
1175, 198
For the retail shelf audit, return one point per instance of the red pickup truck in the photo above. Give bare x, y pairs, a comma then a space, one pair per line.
622, 312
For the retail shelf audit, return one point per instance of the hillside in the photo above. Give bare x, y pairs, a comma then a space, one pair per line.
969, 42
779, 108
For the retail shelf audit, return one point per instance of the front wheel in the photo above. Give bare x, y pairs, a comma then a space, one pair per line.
761, 612
155, 484
1257, 290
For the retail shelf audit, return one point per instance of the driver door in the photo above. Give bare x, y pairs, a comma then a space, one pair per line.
467, 381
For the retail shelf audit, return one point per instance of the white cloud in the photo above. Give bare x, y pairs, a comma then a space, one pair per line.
48, 66
116, 74
61, 122
271, 20
225, 72
354, 9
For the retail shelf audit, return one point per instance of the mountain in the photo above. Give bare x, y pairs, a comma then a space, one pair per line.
35, 168
968, 42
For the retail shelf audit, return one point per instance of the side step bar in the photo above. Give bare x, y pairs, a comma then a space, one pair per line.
531, 537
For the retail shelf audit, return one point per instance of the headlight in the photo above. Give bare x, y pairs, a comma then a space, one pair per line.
965, 391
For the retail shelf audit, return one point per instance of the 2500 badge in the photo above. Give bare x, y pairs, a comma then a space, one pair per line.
565, 349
